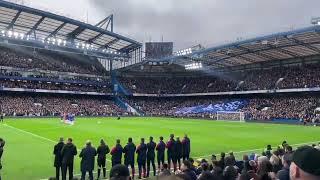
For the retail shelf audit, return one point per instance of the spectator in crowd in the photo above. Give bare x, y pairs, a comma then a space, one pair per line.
68, 152
165, 171
116, 153
119, 172
222, 160
284, 173
305, 164
58, 157
129, 153
87, 156
186, 169
102, 152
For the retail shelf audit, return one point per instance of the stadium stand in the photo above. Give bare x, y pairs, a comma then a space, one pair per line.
56, 105
28, 58
304, 76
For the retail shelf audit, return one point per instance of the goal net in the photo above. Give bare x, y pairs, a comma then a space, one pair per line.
230, 116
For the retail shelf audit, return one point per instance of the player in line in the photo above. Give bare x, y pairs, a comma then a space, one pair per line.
65, 152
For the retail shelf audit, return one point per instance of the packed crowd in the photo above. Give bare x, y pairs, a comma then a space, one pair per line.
46, 60
281, 108
258, 108
103, 88
54, 105
307, 76
301, 108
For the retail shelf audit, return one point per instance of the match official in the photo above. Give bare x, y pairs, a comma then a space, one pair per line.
58, 157
116, 153
129, 152
87, 156
68, 152
161, 147
102, 152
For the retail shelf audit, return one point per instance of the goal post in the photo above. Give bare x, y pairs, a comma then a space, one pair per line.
230, 116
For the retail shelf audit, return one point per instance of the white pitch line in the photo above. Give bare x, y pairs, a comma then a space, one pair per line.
238, 152
38, 136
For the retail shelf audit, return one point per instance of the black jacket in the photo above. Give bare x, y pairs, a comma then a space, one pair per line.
87, 158
178, 149
151, 146
186, 146
191, 174
129, 151
142, 153
161, 147
57, 154
102, 151
68, 152
116, 153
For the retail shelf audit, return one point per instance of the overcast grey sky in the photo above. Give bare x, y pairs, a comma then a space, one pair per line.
190, 22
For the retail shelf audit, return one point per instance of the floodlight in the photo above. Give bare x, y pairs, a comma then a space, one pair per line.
21, 35
16, 34
10, 34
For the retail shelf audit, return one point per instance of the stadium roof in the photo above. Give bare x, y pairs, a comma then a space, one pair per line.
39, 24
285, 45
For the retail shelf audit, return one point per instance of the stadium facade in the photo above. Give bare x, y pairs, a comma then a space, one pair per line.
47, 58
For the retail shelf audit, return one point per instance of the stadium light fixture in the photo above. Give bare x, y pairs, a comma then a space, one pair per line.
9, 33
21, 36
193, 66
16, 34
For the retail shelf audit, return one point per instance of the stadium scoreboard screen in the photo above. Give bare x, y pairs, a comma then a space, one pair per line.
156, 50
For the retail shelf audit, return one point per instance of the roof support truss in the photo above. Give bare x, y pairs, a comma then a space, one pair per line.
56, 30
304, 44
35, 26
14, 20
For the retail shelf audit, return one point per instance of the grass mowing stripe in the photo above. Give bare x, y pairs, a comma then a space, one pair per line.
35, 135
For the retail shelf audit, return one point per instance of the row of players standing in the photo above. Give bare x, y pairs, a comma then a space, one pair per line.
176, 150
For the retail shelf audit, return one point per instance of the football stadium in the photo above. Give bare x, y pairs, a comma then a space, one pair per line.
79, 100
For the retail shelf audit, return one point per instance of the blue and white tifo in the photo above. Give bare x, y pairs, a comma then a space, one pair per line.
230, 106
68, 118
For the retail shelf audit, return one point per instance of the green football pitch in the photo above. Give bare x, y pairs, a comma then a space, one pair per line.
29, 142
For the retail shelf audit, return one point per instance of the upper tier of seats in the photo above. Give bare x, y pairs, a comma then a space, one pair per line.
29, 58
262, 79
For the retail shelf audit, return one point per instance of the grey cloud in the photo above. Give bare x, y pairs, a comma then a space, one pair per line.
189, 22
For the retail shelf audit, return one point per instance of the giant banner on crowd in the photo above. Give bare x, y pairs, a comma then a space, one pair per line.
213, 108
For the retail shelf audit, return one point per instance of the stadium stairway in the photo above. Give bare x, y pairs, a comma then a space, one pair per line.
124, 105
118, 87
